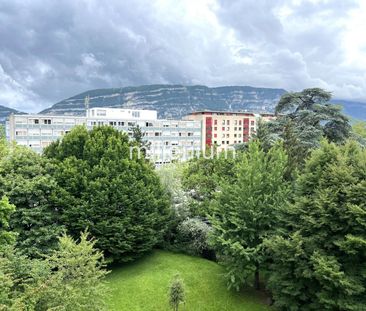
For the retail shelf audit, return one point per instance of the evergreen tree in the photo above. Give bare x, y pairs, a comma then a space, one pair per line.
110, 191
247, 211
76, 278
303, 119
320, 263
176, 293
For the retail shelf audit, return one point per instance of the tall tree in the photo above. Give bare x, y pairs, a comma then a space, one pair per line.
110, 191
320, 263
247, 211
303, 119
25, 179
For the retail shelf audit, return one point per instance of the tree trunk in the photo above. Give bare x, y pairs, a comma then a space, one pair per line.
256, 279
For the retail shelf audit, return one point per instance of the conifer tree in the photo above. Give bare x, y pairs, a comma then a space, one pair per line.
320, 263
247, 211
176, 293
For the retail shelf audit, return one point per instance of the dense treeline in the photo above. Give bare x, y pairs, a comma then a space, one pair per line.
285, 212
292, 206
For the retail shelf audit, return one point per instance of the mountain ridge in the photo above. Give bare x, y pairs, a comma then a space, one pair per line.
173, 100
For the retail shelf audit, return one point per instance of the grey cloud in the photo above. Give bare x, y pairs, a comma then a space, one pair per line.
55, 49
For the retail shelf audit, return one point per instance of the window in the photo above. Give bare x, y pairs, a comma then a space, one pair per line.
235, 122
215, 128
252, 122
227, 135
215, 135
235, 128
228, 122
235, 135
228, 142
215, 121
149, 124
223, 128
157, 134
239, 128
112, 123
131, 123
252, 129
222, 143
190, 134
228, 128
239, 122
120, 123
47, 121
223, 122
36, 121
136, 114
223, 135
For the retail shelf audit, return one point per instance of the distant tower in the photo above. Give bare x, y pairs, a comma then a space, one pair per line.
86, 103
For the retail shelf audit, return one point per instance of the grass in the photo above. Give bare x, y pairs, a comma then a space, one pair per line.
143, 285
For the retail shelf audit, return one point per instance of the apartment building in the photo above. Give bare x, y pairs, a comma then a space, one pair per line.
226, 129
169, 139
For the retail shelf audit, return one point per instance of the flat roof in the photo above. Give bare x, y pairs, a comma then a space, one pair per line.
221, 112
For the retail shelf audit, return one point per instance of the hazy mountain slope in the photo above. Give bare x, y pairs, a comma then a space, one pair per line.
354, 109
6, 111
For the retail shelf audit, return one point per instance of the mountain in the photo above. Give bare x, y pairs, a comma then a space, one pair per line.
173, 101
6, 111
356, 110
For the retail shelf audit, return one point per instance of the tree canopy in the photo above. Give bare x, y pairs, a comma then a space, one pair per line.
247, 211
110, 191
320, 263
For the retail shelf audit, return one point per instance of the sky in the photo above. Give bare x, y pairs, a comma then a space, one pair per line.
52, 50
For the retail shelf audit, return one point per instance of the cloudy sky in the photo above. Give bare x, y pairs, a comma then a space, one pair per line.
51, 50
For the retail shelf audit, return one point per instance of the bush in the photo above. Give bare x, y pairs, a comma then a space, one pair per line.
193, 237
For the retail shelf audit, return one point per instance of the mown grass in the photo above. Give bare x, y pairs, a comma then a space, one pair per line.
143, 285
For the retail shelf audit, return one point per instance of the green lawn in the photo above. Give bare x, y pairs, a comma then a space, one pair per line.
143, 285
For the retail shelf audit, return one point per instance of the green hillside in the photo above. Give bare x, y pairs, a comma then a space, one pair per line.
143, 285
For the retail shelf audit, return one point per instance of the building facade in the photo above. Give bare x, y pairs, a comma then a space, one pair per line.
169, 139
226, 129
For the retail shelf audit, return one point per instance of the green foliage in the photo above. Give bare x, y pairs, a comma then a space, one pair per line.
25, 179
176, 293
76, 281
193, 235
139, 140
204, 175
320, 263
6, 209
247, 211
71, 278
118, 197
359, 128
303, 119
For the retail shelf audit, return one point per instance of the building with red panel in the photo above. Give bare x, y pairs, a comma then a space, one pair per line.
225, 129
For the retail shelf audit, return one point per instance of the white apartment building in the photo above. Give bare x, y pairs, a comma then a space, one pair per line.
169, 139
